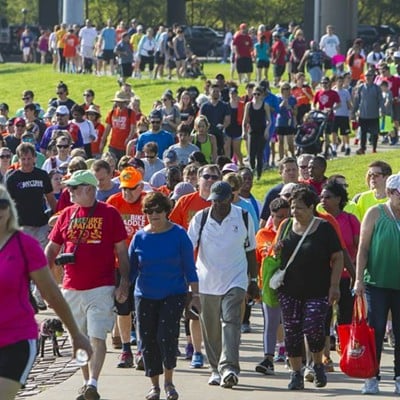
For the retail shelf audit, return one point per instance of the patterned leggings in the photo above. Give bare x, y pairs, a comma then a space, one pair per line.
303, 317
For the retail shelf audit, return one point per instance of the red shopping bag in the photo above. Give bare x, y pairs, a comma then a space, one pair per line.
357, 344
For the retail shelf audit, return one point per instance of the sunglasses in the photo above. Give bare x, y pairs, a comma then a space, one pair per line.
210, 176
285, 88
155, 122
150, 211
61, 115
87, 94
60, 92
151, 157
26, 98
4, 204
5, 156
164, 100
131, 189
62, 146
374, 174
303, 166
73, 188
257, 94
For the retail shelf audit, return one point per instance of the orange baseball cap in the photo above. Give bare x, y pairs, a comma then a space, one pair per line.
130, 177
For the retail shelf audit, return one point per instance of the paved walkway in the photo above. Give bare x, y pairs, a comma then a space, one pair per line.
124, 384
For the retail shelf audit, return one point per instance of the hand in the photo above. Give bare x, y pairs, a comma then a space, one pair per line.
278, 246
81, 341
195, 303
334, 294
122, 291
359, 288
253, 290
220, 126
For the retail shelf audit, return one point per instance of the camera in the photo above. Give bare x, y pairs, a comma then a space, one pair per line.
65, 258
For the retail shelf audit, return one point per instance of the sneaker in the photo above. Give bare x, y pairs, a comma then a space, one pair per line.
215, 379
309, 374
139, 361
334, 153
343, 148
116, 342
280, 357
229, 380
347, 151
125, 360
170, 392
91, 393
133, 338
197, 360
360, 151
81, 393
328, 364
385, 140
319, 375
266, 367
296, 381
189, 351
245, 328
371, 386
397, 385
154, 393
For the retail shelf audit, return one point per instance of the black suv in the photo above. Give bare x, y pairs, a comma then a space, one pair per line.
204, 41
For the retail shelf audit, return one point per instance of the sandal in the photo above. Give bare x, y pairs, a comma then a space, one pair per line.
154, 393
170, 392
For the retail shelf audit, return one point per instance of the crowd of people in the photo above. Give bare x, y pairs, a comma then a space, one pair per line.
98, 199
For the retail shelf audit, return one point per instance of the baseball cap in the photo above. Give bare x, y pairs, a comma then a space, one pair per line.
62, 110
287, 189
170, 155
181, 189
230, 167
129, 177
19, 121
82, 177
155, 114
220, 191
393, 182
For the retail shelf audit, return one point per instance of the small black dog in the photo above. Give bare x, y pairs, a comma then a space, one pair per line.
50, 328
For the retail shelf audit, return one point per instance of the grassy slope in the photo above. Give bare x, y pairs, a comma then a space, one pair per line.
14, 78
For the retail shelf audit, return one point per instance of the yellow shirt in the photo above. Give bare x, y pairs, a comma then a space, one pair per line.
366, 201
135, 39
59, 36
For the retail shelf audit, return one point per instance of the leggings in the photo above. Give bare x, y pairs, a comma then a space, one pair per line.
256, 149
61, 61
303, 317
158, 326
272, 318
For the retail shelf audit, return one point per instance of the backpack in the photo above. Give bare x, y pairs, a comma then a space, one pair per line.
204, 216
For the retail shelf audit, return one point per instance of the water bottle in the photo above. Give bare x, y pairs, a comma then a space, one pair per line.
81, 357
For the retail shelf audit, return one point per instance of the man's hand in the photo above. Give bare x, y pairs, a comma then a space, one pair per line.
122, 291
253, 291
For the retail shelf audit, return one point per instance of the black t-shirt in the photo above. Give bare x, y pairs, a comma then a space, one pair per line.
12, 142
27, 189
271, 195
215, 114
309, 274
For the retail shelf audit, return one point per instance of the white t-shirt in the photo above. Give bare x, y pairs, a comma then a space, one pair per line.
221, 262
53, 163
89, 134
329, 44
88, 36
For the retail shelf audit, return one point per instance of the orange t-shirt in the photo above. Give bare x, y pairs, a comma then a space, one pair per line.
71, 42
95, 146
121, 124
357, 68
264, 240
131, 214
301, 97
186, 207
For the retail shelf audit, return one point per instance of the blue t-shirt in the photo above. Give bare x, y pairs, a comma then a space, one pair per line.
163, 139
109, 37
285, 117
162, 262
245, 205
262, 51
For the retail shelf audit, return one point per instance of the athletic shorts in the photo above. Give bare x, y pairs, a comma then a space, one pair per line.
107, 55
329, 127
126, 70
341, 124
93, 309
262, 64
244, 65
159, 58
278, 70
285, 130
16, 360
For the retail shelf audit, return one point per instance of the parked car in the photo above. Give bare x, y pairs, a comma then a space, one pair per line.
386, 30
369, 35
204, 41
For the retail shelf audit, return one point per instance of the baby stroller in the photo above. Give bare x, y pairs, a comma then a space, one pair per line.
309, 136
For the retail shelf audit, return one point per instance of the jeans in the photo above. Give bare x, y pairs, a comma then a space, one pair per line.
380, 301
221, 319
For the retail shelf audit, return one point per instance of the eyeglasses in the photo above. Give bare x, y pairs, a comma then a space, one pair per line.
132, 188
62, 146
257, 94
374, 174
3, 156
210, 176
73, 188
150, 211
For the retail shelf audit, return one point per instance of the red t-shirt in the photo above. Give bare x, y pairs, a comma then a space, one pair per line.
95, 146
94, 258
121, 125
278, 52
186, 207
393, 83
71, 42
301, 97
326, 99
243, 43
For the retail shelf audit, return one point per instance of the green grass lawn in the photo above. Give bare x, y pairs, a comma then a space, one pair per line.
14, 78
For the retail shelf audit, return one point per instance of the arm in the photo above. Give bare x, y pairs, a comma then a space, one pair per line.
121, 293
267, 120
227, 121
50, 291
51, 200
337, 268
104, 138
367, 228
252, 271
245, 122
214, 152
303, 60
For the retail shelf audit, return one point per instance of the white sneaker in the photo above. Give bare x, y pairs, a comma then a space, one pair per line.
397, 385
215, 379
371, 386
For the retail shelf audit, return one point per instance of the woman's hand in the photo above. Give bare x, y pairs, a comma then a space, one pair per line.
334, 294
359, 288
195, 303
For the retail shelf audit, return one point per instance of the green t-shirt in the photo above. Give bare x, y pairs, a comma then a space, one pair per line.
40, 159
